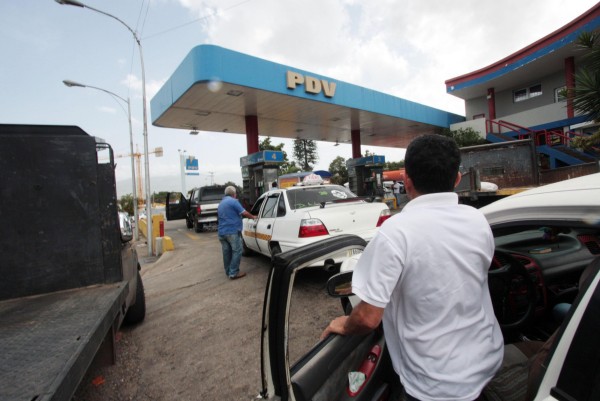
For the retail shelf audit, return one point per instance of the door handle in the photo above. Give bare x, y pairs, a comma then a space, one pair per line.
269, 226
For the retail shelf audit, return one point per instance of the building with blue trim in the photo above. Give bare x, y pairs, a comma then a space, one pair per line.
523, 95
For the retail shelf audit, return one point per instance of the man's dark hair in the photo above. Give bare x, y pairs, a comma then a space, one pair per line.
432, 163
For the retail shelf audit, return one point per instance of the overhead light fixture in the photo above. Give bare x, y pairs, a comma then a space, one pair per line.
234, 92
336, 143
194, 131
202, 113
299, 130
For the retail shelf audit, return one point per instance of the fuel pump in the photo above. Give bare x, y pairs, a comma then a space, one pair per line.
365, 175
259, 171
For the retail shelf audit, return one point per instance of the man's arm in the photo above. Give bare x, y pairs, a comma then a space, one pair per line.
248, 215
363, 319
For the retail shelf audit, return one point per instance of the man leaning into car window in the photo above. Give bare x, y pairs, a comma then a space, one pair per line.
425, 276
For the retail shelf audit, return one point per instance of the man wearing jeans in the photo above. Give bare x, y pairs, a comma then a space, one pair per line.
230, 214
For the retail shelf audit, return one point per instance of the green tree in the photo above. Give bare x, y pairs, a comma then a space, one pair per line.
126, 203
338, 170
305, 153
464, 136
238, 189
393, 165
160, 197
284, 167
289, 167
586, 94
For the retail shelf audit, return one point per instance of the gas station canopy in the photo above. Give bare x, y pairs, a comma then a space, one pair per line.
216, 89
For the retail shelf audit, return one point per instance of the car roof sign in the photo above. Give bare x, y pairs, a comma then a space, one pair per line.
312, 179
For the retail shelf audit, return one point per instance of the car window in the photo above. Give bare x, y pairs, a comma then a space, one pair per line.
311, 309
578, 378
270, 209
211, 193
281, 207
299, 198
257, 205
175, 197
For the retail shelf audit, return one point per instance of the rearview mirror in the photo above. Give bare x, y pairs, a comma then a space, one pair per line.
340, 285
125, 226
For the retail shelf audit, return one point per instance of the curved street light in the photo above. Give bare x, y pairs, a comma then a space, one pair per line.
146, 160
72, 84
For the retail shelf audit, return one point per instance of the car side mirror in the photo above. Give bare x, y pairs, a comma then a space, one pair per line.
340, 285
125, 226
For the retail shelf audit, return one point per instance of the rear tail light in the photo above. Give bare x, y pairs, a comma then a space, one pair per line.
383, 216
312, 228
198, 210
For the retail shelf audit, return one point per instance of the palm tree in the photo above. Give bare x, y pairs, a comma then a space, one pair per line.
586, 94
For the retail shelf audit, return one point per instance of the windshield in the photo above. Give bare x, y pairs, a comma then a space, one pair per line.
211, 193
299, 198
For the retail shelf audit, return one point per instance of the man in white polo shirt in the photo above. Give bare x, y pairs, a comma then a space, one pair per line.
425, 275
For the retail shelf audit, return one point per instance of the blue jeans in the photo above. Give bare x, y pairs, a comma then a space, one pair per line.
232, 253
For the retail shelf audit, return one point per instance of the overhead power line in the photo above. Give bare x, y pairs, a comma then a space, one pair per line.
194, 21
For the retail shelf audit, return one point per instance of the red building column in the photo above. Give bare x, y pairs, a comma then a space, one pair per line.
252, 134
570, 81
355, 143
491, 101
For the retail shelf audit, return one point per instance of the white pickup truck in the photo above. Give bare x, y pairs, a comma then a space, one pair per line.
296, 216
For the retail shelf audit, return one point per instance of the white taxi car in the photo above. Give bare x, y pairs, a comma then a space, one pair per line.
299, 215
547, 260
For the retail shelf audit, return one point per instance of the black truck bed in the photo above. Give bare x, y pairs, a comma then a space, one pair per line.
48, 341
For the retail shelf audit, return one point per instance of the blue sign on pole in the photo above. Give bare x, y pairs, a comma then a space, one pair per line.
191, 166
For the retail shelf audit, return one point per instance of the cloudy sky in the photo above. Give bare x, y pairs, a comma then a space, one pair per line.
406, 48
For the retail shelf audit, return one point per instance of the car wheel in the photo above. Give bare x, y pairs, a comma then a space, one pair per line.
189, 223
275, 249
137, 312
197, 226
245, 250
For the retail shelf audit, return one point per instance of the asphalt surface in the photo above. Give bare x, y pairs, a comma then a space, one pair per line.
200, 339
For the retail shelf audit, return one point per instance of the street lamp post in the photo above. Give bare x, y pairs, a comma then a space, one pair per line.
146, 160
182, 169
71, 84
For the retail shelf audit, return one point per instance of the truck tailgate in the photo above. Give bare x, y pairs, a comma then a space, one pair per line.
47, 342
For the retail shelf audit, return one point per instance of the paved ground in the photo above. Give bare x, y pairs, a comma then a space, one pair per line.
201, 335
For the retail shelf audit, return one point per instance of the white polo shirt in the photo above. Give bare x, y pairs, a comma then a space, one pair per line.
427, 266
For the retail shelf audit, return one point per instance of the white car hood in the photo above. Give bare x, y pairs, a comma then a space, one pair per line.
577, 199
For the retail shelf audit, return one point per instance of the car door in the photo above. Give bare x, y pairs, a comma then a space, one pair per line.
266, 222
249, 225
321, 372
571, 370
177, 206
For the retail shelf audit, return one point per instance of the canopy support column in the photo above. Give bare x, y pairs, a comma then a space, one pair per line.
252, 134
355, 143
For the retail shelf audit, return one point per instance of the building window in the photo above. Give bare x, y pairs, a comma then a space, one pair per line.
527, 93
560, 94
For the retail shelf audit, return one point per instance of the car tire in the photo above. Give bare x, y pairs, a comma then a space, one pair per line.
245, 250
198, 227
275, 249
137, 312
189, 223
